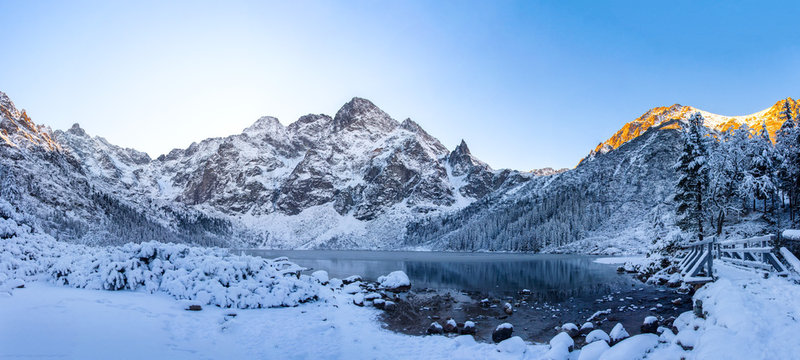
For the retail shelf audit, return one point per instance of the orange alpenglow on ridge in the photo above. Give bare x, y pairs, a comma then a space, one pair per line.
659, 115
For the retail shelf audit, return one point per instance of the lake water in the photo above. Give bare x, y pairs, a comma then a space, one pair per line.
551, 277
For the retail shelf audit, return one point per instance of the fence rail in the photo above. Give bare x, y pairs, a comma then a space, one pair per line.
697, 266
755, 252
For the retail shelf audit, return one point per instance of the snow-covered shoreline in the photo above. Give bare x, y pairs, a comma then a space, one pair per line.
55, 302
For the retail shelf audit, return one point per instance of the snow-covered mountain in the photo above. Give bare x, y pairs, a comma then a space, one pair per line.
768, 118
359, 179
352, 180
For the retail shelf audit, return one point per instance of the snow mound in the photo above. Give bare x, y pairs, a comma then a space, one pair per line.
597, 335
633, 348
395, 280
514, 345
209, 275
593, 351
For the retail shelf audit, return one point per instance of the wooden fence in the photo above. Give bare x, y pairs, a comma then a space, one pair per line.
755, 252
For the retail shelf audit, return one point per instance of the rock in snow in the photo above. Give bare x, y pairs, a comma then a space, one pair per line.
450, 326
571, 329
593, 351
597, 335
633, 348
435, 328
502, 332
396, 281
321, 276
650, 325
468, 329
618, 333
514, 345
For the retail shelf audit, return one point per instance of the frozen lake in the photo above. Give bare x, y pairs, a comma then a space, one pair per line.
552, 277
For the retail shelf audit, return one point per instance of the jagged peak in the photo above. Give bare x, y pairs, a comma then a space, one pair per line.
77, 130
265, 124
360, 109
7, 108
462, 148
410, 125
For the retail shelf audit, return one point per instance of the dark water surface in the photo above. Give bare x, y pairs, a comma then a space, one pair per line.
552, 278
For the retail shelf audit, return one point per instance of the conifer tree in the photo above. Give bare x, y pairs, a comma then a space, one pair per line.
692, 169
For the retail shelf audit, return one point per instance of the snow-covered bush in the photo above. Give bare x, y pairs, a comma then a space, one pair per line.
208, 275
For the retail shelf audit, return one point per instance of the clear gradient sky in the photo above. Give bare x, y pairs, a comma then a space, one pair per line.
527, 84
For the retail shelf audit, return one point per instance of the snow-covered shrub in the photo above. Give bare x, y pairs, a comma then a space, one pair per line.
209, 275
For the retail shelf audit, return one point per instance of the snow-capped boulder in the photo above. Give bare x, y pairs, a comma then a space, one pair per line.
358, 299
434, 329
571, 329
335, 283
597, 335
618, 333
352, 288
562, 339
593, 350
379, 303
513, 346
631, 348
389, 306
502, 332
450, 326
508, 309
352, 279
468, 329
650, 325
586, 328
321, 276
396, 281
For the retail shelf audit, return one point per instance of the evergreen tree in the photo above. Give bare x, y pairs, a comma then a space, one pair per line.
692, 169
763, 169
788, 149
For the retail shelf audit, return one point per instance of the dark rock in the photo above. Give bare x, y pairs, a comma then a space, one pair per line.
650, 325
389, 306
379, 303
502, 332
351, 279
586, 328
698, 309
508, 309
450, 326
468, 328
194, 308
571, 329
435, 329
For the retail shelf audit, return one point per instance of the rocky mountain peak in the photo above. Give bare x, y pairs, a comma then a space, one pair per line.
462, 149
18, 130
362, 110
7, 108
77, 130
265, 124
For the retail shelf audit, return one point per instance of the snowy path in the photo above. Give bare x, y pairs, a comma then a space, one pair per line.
749, 317
49, 321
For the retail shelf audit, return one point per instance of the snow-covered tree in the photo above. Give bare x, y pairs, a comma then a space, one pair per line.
726, 168
787, 147
693, 170
763, 168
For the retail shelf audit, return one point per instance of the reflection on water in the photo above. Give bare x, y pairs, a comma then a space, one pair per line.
550, 277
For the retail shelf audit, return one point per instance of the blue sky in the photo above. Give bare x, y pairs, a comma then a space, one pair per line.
527, 84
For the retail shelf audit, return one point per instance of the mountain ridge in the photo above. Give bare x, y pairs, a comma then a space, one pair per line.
359, 179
